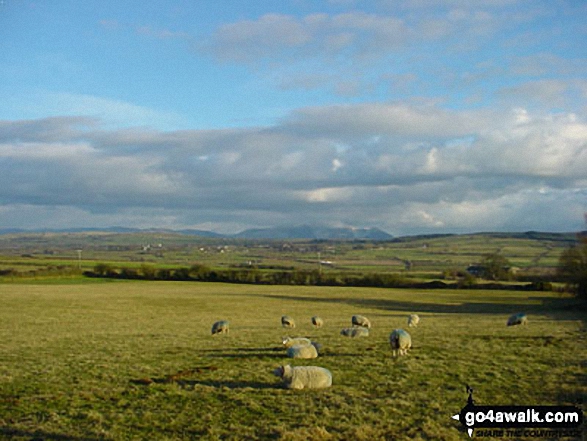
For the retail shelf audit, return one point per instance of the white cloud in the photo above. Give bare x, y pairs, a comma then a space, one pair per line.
405, 168
253, 39
356, 34
110, 111
546, 93
326, 195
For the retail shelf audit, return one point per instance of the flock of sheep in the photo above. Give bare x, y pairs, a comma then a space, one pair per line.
315, 377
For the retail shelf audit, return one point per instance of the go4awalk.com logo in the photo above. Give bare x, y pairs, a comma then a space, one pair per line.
520, 421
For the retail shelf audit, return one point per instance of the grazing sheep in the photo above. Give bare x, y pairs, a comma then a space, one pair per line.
400, 342
518, 319
304, 377
288, 342
287, 322
220, 327
359, 320
413, 320
317, 321
355, 332
302, 351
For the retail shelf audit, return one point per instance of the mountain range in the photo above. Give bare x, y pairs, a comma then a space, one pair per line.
294, 232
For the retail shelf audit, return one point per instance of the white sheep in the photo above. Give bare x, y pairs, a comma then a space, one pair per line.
287, 322
518, 319
302, 351
288, 342
400, 341
359, 320
304, 377
220, 327
355, 331
413, 320
317, 322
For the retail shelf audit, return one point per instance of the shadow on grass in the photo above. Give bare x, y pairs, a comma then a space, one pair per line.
243, 356
535, 340
39, 435
184, 379
191, 384
277, 353
274, 352
230, 384
555, 308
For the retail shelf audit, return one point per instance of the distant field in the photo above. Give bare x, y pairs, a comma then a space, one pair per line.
414, 257
135, 360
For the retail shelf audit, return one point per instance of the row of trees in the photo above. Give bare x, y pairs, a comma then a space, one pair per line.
573, 267
51, 271
572, 270
203, 273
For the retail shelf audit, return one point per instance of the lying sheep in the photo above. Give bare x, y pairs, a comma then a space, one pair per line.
302, 351
318, 346
317, 321
413, 320
304, 377
287, 322
359, 320
355, 332
518, 319
288, 342
220, 327
400, 341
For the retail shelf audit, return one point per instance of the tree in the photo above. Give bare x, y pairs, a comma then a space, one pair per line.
573, 268
104, 270
199, 272
148, 271
495, 267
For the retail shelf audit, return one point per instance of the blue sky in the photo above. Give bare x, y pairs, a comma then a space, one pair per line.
412, 116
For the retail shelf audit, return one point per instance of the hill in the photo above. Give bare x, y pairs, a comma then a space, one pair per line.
313, 232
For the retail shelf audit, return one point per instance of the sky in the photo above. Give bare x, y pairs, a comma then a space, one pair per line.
415, 116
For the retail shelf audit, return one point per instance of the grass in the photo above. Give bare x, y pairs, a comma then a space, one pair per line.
135, 360
30, 252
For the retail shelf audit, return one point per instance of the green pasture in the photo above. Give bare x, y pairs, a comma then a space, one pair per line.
29, 252
136, 361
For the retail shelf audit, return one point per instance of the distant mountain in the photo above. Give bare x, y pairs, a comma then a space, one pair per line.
201, 233
312, 232
297, 232
113, 230
12, 231
68, 230
278, 233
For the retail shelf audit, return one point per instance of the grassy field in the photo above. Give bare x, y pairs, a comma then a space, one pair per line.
426, 257
135, 360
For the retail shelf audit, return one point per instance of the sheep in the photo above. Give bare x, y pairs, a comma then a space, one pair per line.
400, 341
359, 320
317, 322
304, 377
302, 351
288, 342
220, 327
413, 320
287, 322
518, 319
355, 332
318, 346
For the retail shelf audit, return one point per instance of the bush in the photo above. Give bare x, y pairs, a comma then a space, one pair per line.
573, 268
495, 267
104, 270
148, 271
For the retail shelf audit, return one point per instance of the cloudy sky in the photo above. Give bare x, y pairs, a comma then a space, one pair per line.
414, 116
